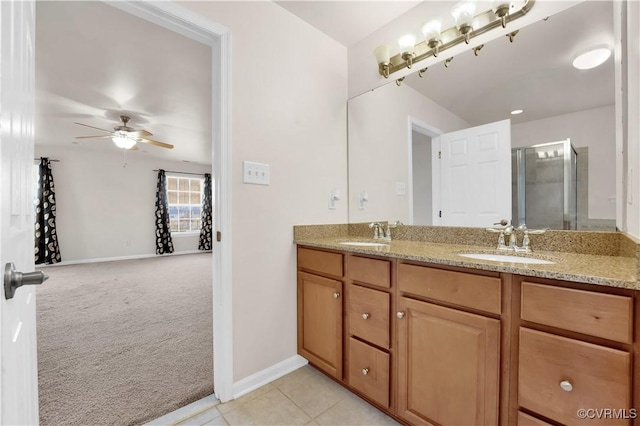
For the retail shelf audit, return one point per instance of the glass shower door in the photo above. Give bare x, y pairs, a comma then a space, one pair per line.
546, 186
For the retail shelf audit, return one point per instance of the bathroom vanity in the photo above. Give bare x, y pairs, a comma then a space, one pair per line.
431, 337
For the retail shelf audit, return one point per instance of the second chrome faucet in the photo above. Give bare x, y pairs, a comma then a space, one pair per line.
509, 231
381, 232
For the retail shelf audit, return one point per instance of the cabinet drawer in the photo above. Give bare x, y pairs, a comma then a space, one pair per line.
474, 291
527, 420
368, 312
593, 376
370, 271
320, 261
369, 371
596, 314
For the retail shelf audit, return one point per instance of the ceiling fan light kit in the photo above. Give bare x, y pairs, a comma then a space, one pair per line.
125, 137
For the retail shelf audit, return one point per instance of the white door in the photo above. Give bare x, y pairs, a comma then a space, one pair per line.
475, 173
18, 363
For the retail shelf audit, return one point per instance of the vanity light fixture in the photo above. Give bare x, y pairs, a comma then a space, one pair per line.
477, 49
501, 9
407, 43
512, 35
437, 40
592, 57
383, 56
422, 71
431, 31
447, 62
399, 81
463, 14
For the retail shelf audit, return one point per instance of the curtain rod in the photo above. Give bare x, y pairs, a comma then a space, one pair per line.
53, 161
182, 173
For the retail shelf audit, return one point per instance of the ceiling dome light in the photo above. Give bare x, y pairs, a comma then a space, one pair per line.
516, 112
592, 58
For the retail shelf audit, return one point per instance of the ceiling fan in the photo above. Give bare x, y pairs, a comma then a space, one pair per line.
124, 136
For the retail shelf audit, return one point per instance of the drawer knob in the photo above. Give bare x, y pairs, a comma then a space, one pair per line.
365, 371
400, 314
566, 386
365, 316
336, 295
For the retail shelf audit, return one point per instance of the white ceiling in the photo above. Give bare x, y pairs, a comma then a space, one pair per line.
95, 62
348, 21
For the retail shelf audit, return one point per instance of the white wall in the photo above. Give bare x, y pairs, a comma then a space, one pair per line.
105, 210
595, 129
289, 91
379, 148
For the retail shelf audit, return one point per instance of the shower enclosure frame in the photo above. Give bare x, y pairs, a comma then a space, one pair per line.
570, 214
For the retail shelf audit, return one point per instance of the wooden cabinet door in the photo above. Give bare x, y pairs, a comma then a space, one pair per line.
320, 322
448, 365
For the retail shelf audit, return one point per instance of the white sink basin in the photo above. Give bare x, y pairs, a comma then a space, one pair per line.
506, 258
363, 244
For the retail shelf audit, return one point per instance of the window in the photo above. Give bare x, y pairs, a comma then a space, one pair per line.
185, 203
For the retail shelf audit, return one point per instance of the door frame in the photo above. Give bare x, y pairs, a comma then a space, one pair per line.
416, 125
190, 24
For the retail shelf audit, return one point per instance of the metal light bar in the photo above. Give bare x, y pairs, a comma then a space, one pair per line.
452, 37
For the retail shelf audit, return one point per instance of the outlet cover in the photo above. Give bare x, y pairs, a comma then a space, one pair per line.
401, 188
255, 173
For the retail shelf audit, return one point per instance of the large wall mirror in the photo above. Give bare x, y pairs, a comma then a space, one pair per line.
559, 168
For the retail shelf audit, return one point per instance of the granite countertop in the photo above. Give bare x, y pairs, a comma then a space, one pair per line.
612, 271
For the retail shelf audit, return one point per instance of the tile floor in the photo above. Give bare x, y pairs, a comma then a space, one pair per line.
303, 397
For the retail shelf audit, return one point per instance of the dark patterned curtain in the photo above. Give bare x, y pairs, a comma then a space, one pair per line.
47, 250
164, 243
207, 219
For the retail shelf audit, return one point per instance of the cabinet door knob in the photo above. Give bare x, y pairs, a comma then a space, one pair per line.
400, 314
365, 316
365, 371
336, 295
566, 385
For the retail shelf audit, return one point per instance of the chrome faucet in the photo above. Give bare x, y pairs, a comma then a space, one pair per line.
508, 230
378, 230
387, 232
382, 232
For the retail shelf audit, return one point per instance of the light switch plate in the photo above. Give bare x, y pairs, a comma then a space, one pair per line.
401, 188
255, 173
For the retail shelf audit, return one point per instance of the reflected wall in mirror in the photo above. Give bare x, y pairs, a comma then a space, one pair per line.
395, 132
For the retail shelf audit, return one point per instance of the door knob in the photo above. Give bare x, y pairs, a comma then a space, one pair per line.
336, 295
14, 279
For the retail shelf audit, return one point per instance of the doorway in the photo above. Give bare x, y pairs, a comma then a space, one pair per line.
424, 145
177, 19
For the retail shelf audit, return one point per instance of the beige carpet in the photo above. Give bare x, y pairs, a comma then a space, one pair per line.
122, 343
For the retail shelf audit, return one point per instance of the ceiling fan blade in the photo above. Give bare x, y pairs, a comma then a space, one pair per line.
93, 137
140, 134
97, 128
156, 143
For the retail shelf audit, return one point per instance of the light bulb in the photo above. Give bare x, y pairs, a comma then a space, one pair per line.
407, 43
123, 142
432, 29
464, 12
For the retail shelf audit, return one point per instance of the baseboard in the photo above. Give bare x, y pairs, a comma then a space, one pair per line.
268, 375
116, 258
